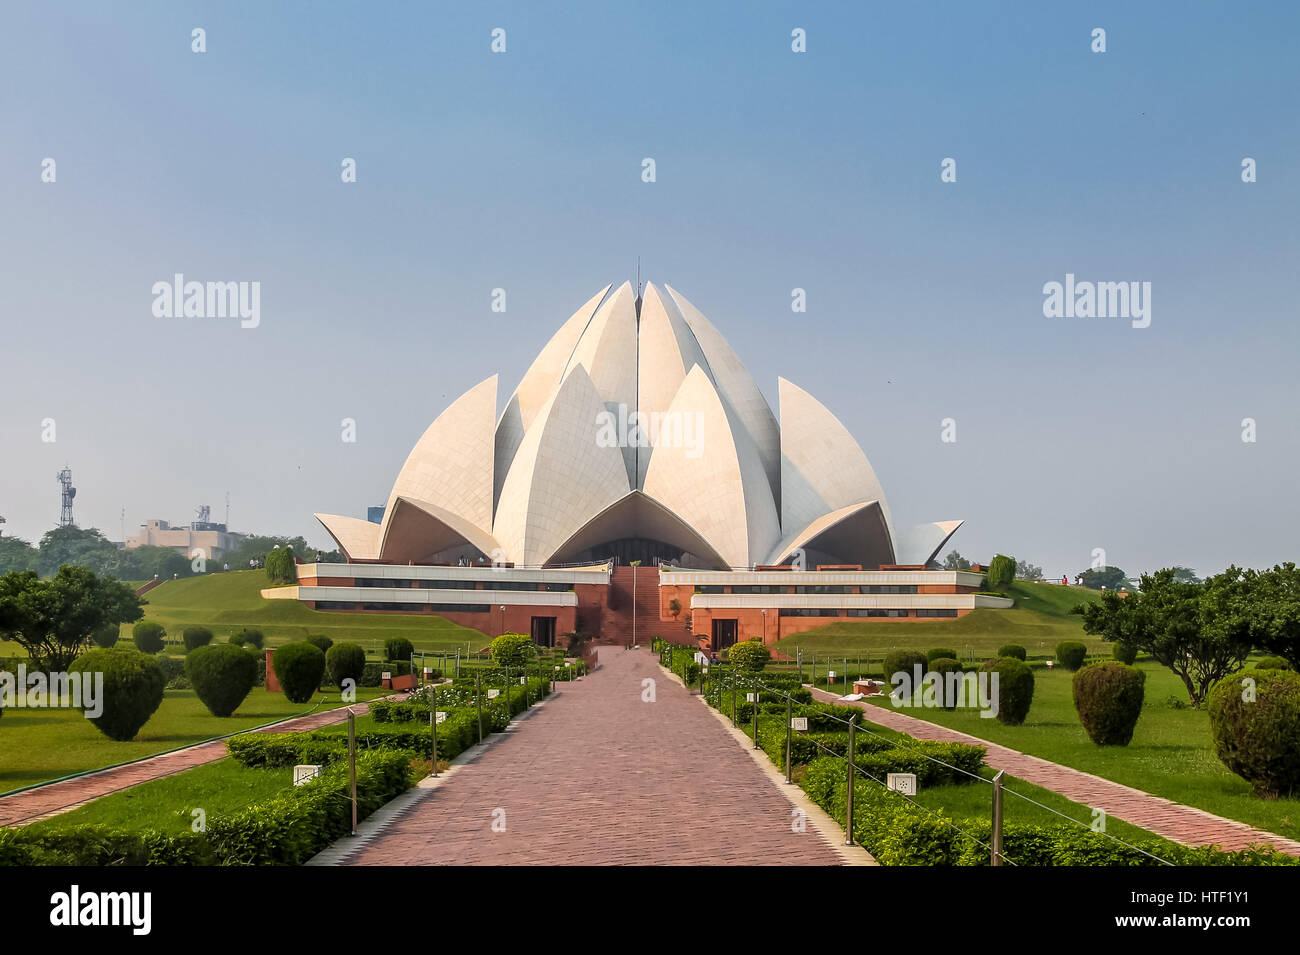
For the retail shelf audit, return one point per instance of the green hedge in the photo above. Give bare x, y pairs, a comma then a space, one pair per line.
286, 830
291, 828
897, 832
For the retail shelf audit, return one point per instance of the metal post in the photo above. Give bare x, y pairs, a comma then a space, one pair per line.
848, 808
433, 727
478, 701
507, 669
789, 730
732, 677
996, 846
352, 764
755, 705
701, 681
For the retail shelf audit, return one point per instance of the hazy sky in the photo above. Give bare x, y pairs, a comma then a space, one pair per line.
775, 170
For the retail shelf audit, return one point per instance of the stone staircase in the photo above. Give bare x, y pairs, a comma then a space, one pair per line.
616, 625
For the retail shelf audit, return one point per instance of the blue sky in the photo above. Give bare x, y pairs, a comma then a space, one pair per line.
775, 170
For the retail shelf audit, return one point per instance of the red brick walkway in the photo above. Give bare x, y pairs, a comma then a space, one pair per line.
50, 800
1171, 820
598, 777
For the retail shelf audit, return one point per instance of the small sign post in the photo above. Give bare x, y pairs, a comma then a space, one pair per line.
904, 783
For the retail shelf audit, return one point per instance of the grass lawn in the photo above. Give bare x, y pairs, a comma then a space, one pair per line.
227, 602
167, 804
1039, 621
38, 745
1171, 754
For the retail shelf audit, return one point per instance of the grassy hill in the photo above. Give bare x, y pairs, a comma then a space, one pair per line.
1039, 620
228, 602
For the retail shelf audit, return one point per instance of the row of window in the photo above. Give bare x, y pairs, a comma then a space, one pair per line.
813, 589
406, 607
461, 584
860, 612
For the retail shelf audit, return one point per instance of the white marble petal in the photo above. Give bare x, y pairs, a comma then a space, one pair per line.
562, 476
357, 539
715, 482
822, 467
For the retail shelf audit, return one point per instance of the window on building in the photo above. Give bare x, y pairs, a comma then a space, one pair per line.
936, 613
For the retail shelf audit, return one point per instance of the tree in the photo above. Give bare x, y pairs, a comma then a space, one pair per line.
53, 618
1267, 604
674, 607
80, 547
259, 547
1189, 628
1185, 575
17, 554
144, 563
280, 568
1103, 578
955, 561
1028, 571
1001, 573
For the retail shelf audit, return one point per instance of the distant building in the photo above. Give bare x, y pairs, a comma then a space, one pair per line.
213, 539
375, 515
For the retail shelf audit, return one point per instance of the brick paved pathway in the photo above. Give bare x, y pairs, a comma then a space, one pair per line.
598, 777
50, 800
1171, 820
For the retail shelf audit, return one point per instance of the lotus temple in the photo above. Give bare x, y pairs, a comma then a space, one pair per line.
637, 483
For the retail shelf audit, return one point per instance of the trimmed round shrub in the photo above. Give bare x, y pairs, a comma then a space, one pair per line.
132, 690
148, 636
299, 667
399, 648
1255, 725
345, 661
248, 637
222, 676
749, 655
1124, 652
106, 636
1108, 699
173, 671
691, 673
903, 661
943, 666
1015, 690
321, 643
1013, 650
1070, 654
940, 653
507, 650
194, 637
1272, 663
